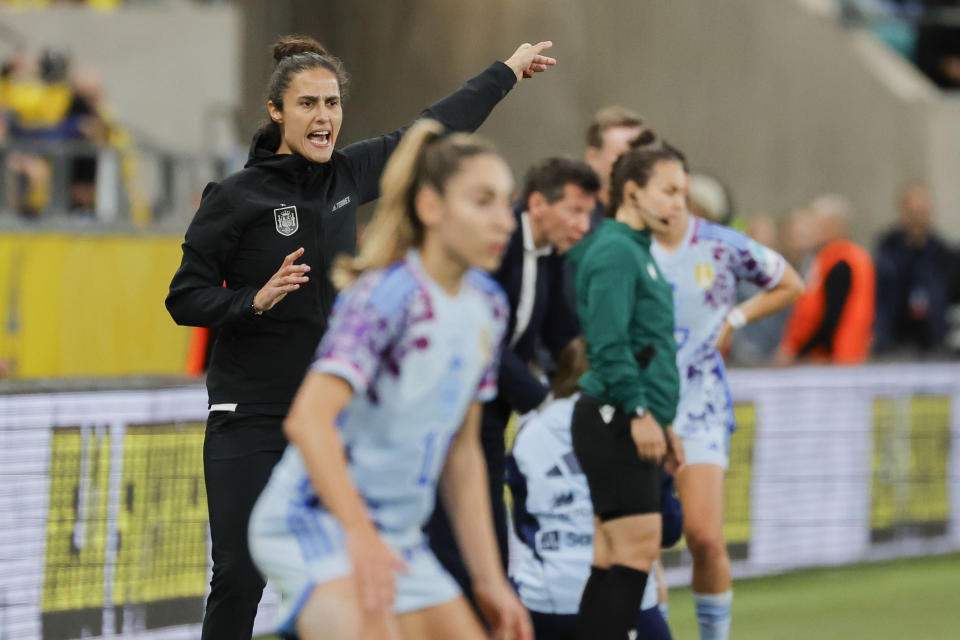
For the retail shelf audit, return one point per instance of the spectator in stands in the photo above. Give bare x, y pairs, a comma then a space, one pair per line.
710, 199
45, 108
552, 216
799, 239
832, 320
86, 122
915, 269
938, 43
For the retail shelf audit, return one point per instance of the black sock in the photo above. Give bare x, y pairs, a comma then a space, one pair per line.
609, 610
592, 589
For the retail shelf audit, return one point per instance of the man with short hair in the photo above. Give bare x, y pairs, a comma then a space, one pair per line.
611, 132
832, 321
552, 216
915, 271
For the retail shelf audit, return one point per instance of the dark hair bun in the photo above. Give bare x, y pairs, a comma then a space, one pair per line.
295, 45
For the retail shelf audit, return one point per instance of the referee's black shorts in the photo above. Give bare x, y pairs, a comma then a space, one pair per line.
621, 484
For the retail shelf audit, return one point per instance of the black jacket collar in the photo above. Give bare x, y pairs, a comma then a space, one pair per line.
263, 155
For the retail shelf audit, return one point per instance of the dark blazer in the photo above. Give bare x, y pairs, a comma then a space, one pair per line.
553, 320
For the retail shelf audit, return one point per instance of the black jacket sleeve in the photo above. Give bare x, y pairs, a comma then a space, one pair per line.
197, 296
560, 325
463, 110
517, 384
836, 287
887, 296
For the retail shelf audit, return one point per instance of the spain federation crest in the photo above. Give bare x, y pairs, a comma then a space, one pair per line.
704, 275
286, 220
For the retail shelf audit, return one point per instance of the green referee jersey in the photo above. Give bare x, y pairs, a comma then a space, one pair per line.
626, 314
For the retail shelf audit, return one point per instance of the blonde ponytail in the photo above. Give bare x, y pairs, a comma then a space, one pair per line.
424, 157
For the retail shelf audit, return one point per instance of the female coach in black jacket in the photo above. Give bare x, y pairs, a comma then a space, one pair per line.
296, 199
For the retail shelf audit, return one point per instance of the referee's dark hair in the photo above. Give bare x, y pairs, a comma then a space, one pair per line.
637, 165
648, 140
548, 177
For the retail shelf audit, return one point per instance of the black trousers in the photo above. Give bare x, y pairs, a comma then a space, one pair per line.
494, 423
239, 452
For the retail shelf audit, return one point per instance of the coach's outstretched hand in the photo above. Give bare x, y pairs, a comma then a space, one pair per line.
526, 60
503, 610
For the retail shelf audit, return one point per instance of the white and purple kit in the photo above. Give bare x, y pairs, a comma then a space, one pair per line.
416, 358
553, 515
704, 271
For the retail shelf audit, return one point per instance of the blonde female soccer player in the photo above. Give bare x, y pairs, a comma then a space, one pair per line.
390, 410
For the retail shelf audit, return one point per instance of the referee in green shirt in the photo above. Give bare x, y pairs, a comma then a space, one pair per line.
621, 424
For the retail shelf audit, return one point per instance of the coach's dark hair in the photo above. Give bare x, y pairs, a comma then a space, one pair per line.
425, 157
637, 165
549, 177
292, 55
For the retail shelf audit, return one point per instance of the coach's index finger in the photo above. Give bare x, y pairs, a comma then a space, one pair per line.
290, 258
540, 46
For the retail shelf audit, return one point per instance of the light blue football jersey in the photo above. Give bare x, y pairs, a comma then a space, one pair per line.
553, 515
416, 358
704, 271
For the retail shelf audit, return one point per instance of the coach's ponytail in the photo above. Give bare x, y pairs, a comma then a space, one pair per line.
425, 157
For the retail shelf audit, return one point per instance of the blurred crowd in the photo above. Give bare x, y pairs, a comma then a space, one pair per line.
54, 124
103, 5
924, 31
906, 287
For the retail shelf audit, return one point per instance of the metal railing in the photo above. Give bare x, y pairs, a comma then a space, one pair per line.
146, 184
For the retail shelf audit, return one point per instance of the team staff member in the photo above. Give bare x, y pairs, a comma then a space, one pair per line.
621, 424
295, 200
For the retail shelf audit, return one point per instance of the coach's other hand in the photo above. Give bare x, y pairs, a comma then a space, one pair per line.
287, 279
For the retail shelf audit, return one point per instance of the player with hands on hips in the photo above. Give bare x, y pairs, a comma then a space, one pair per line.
703, 262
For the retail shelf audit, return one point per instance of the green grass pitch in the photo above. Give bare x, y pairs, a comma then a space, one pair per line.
917, 598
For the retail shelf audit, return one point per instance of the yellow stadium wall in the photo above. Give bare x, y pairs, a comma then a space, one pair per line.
88, 305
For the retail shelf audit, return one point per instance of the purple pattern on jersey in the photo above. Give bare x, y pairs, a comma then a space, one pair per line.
736, 257
745, 258
375, 323
500, 306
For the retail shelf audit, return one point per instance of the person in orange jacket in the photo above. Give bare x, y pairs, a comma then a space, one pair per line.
832, 321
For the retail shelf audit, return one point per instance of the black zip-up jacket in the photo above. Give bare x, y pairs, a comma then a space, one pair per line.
250, 221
